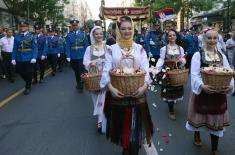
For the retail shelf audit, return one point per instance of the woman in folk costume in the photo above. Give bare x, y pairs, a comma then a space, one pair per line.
94, 60
171, 57
207, 109
128, 119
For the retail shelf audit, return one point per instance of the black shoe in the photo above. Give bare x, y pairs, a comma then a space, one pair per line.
41, 81
35, 82
53, 74
27, 91
99, 128
80, 90
11, 80
3, 76
125, 152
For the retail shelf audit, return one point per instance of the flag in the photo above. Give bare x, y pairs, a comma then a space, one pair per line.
165, 14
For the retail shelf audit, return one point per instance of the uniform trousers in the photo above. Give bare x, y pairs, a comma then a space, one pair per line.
2, 68
25, 69
40, 65
52, 59
61, 61
78, 68
7, 65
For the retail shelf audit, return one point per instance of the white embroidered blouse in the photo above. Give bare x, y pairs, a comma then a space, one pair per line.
113, 60
88, 55
161, 60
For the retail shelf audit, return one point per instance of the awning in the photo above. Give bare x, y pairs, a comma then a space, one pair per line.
211, 14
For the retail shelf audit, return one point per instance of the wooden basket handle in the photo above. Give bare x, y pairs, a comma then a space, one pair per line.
93, 69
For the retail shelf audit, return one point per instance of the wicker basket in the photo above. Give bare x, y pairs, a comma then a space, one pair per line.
178, 77
215, 79
92, 81
127, 84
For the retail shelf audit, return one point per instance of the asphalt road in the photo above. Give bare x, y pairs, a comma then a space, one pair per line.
56, 120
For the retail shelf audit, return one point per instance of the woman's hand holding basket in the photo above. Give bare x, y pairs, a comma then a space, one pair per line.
140, 91
225, 90
116, 93
211, 90
208, 89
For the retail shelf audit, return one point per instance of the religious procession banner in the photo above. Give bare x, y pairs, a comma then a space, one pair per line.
165, 14
136, 13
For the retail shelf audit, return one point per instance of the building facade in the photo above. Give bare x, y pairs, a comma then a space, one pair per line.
6, 19
78, 9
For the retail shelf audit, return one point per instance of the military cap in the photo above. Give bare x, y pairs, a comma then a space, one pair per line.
50, 30
98, 22
37, 26
74, 21
23, 22
64, 30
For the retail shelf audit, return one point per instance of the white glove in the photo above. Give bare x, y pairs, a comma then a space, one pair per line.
150, 54
13, 62
43, 57
33, 61
68, 59
58, 55
151, 42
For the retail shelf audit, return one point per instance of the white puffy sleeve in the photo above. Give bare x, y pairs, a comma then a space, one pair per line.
196, 80
161, 60
87, 58
105, 79
226, 65
182, 56
144, 64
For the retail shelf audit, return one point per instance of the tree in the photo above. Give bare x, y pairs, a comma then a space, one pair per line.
185, 6
39, 10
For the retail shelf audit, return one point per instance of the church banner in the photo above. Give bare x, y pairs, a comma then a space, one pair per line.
134, 12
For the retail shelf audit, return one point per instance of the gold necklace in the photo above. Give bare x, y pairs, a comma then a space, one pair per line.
125, 43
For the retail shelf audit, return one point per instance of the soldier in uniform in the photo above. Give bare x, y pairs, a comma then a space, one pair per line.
53, 50
61, 54
154, 42
76, 44
24, 54
41, 56
141, 37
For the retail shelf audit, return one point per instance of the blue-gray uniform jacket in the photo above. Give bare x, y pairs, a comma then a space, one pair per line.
76, 45
25, 48
156, 38
42, 45
140, 39
192, 46
53, 45
61, 44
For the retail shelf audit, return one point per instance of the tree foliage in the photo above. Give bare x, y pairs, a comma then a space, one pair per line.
39, 10
177, 5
